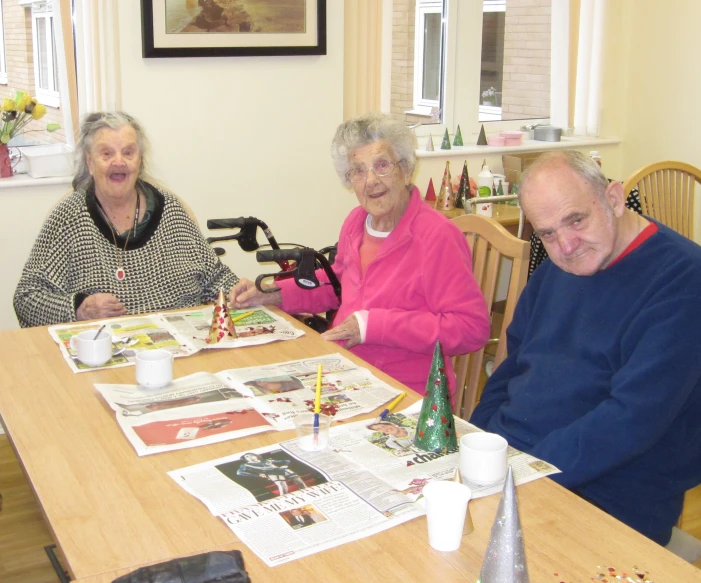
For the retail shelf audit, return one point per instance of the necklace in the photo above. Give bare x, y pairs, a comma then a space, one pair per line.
120, 274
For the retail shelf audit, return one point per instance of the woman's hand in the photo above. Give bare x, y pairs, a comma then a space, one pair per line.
348, 330
100, 306
245, 294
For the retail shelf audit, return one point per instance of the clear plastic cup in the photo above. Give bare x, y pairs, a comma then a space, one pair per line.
309, 438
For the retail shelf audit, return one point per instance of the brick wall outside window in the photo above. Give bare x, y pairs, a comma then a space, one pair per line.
20, 70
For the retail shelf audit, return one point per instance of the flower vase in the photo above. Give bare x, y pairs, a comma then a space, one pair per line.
5, 162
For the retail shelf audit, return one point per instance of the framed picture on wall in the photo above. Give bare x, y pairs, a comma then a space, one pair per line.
233, 28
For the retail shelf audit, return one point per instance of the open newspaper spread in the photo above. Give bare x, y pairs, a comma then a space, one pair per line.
286, 503
205, 408
183, 333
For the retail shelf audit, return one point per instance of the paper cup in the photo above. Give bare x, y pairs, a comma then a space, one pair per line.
483, 458
446, 508
307, 438
91, 351
154, 368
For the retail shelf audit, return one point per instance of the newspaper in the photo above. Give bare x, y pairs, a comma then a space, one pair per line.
205, 408
286, 503
183, 333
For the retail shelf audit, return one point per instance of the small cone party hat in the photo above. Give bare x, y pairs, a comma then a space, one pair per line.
429, 144
505, 558
457, 140
430, 197
435, 430
446, 196
482, 140
464, 189
222, 326
445, 144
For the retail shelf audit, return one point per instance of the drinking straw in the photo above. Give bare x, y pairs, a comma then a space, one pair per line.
392, 405
100, 330
317, 406
240, 317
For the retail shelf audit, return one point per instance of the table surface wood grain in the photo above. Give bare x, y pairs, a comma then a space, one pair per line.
111, 511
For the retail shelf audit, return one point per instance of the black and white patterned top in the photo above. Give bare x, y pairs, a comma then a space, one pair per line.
538, 252
169, 265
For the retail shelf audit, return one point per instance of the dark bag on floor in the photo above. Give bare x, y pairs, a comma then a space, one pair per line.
214, 567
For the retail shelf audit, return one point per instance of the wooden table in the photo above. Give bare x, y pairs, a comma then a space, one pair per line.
111, 511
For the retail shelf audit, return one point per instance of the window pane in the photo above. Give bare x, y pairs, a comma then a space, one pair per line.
42, 60
515, 73
432, 57
54, 64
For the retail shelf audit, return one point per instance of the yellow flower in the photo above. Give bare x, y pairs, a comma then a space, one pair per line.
8, 104
24, 99
38, 111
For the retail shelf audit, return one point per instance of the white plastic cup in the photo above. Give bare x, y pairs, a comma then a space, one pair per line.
307, 439
483, 458
483, 208
154, 368
92, 351
446, 509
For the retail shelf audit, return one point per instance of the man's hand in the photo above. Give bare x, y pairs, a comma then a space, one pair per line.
245, 294
100, 306
349, 330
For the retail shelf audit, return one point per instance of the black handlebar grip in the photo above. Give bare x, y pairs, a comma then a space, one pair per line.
236, 223
270, 255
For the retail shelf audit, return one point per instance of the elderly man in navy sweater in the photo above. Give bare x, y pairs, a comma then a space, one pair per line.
603, 374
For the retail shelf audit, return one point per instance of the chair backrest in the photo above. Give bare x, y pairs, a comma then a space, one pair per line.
489, 242
667, 193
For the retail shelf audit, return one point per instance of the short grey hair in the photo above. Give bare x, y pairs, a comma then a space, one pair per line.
367, 129
581, 164
93, 123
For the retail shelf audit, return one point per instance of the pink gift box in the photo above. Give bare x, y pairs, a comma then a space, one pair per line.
512, 138
496, 141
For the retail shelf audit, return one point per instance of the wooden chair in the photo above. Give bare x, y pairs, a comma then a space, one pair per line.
667, 193
489, 242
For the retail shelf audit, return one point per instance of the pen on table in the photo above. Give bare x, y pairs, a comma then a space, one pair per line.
317, 405
392, 405
241, 317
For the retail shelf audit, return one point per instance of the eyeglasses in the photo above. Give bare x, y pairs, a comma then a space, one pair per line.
380, 167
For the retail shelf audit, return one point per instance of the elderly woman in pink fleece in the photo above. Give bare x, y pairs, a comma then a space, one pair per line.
404, 268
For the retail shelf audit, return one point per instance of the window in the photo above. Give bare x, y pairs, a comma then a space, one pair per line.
438, 61
3, 60
428, 65
44, 53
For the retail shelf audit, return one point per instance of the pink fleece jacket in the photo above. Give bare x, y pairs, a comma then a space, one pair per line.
419, 289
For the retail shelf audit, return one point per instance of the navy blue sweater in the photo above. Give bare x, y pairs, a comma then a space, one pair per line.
603, 380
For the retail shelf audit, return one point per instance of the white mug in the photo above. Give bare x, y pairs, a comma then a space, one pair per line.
483, 458
154, 368
90, 350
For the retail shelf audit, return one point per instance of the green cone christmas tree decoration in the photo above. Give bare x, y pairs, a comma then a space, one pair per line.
445, 144
500, 189
435, 430
457, 140
482, 140
446, 195
463, 190
429, 144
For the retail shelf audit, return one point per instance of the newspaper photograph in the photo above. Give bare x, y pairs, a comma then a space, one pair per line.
286, 503
183, 333
205, 408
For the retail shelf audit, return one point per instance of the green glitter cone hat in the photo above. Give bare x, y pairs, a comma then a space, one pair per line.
435, 430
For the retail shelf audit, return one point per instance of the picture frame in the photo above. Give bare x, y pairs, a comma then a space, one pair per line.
202, 28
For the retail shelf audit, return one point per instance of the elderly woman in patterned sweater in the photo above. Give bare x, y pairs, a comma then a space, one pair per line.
117, 244
406, 270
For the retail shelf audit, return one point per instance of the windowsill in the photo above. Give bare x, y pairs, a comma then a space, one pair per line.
527, 146
24, 180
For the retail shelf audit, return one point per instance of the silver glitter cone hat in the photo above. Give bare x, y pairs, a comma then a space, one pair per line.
505, 559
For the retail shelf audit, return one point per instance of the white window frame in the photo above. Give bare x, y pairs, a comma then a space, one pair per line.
424, 7
3, 58
44, 9
463, 66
